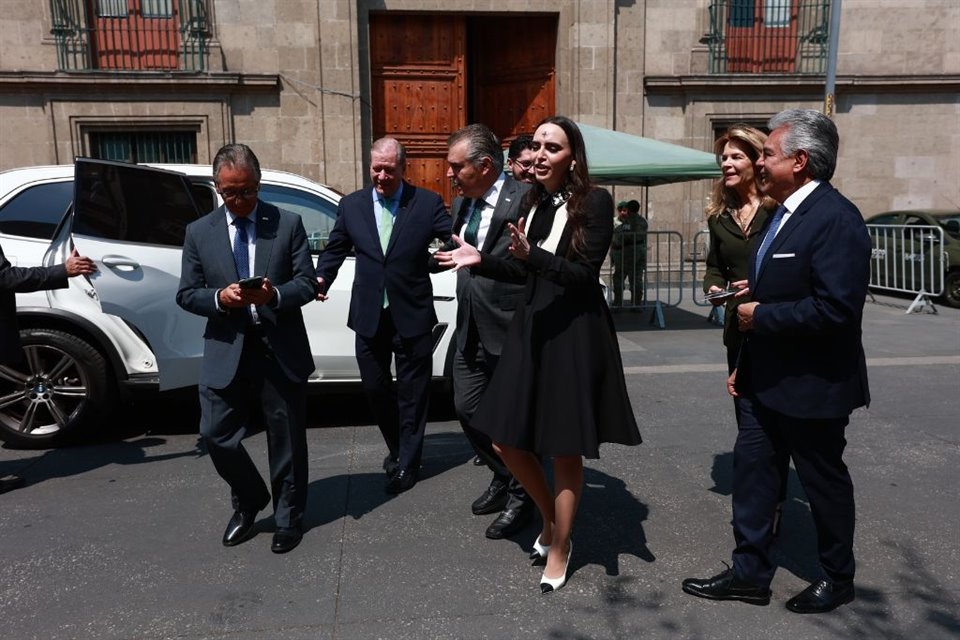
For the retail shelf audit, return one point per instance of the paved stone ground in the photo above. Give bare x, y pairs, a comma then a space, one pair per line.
121, 539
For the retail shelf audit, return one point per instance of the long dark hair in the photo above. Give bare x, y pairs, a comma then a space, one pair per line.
577, 185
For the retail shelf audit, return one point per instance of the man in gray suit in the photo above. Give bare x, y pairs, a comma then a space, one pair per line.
488, 201
256, 356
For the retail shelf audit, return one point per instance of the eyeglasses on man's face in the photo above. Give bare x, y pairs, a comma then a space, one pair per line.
524, 164
239, 194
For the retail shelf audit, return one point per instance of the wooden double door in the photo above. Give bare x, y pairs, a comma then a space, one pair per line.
434, 73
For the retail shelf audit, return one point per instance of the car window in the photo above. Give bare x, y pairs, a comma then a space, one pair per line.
318, 213
916, 221
950, 224
204, 196
884, 219
116, 201
36, 211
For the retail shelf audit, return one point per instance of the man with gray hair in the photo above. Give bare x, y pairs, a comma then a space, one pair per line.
801, 369
389, 228
247, 269
488, 200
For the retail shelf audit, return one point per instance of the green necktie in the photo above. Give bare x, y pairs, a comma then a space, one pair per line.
386, 224
386, 228
473, 222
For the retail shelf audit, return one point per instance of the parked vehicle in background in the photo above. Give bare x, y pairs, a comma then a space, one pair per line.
88, 344
923, 254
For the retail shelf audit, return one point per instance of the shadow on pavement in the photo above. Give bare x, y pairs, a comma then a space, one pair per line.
178, 412
607, 538
365, 491
70, 461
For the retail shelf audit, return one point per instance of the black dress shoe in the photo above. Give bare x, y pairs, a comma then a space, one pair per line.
822, 596
492, 500
240, 528
508, 523
286, 540
726, 586
390, 465
478, 461
402, 480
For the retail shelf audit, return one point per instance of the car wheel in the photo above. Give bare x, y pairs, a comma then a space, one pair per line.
951, 290
59, 389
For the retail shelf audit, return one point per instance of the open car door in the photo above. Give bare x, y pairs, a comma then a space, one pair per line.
131, 221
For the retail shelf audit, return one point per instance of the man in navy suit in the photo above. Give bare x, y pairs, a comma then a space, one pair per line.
801, 370
256, 356
15, 280
390, 228
488, 202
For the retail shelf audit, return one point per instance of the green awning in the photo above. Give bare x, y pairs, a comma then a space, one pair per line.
621, 158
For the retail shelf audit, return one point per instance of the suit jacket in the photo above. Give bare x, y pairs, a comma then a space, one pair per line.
727, 261
804, 357
284, 257
15, 280
485, 303
404, 271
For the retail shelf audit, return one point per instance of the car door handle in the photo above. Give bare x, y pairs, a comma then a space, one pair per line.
120, 262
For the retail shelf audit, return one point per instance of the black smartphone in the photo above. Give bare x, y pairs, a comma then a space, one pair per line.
251, 283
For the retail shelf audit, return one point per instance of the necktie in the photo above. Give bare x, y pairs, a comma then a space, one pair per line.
241, 251
386, 224
768, 239
386, 228
473, 223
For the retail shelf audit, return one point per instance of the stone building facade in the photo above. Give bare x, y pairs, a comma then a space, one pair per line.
292, 78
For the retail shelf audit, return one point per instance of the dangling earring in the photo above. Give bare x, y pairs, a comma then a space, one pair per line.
573, 163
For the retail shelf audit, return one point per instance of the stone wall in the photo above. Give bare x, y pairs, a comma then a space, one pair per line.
291, 78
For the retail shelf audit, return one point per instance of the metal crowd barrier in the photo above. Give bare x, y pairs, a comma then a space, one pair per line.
655, 259
700, 247
908, 259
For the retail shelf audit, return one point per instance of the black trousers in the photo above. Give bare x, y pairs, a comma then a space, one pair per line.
399, 407
471, 375
816, 446
259, 393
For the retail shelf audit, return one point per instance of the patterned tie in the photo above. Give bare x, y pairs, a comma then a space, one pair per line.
473, 222
241, 251
768, 239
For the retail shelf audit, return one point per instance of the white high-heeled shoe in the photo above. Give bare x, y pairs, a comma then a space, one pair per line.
540, 551
552, 584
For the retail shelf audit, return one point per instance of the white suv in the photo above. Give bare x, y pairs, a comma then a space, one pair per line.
87, 344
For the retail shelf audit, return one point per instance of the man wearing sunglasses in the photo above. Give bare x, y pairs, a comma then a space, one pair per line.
247, 269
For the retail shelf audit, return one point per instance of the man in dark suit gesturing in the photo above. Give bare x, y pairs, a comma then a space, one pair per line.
247, 269
15, 280
801, 370
390, 228
488, 201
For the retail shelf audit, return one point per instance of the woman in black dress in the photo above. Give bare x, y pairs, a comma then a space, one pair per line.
558, 390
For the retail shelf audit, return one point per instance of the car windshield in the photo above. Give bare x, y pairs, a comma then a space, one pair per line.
950, 223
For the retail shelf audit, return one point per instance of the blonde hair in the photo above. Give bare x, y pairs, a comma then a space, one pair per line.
751, 140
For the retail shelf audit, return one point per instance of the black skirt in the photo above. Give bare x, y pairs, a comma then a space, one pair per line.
558, 388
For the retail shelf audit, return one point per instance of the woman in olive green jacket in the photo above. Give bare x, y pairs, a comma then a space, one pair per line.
736, 215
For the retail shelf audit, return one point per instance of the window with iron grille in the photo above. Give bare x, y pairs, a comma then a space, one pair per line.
131, 35
768, 36
175, 147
